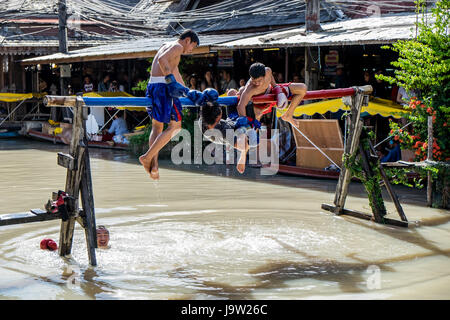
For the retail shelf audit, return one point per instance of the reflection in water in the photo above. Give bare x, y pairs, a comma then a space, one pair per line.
204, 232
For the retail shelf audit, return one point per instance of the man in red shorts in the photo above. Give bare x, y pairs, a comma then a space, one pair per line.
262, 82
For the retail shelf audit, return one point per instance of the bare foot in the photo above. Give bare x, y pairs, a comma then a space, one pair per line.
154, 172
240, 167
145, 163
290, 119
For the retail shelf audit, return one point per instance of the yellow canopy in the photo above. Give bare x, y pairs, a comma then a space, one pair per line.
15, 97
379, 106
107, 94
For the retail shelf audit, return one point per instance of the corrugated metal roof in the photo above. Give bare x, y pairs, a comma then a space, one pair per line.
126, 50
385, 29
246, 14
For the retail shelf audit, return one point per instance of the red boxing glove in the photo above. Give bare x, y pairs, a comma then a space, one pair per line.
282, 100
51, 245
48, 244
44, 243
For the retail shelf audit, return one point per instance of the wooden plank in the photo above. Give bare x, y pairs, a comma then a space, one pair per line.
67, 161
365, 216
322, 132
35, 215
310, 157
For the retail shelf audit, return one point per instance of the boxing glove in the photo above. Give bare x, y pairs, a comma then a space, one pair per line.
242, 122
282, 100
44, 243
176, 90
211, 94
51, 245
196, 97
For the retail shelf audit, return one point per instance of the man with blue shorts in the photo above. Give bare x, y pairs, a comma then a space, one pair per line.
164, 88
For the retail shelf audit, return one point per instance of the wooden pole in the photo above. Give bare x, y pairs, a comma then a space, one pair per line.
73, 179
351, 146
430, 158
286, 64
312, 16
2, 78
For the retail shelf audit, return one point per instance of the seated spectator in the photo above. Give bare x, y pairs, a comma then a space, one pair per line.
280, 78
114, 87
88, 86
208, 81
242, 82
103, 85
228, 83
193, 85
118, 128
394, 153
380, 89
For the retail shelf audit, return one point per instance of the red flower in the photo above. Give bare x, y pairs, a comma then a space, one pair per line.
429, 110
396, 138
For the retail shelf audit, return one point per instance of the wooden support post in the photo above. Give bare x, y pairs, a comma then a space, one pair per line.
87, 200
78, 181
73, 180
389, 188
351, 145
430, 157
374, 193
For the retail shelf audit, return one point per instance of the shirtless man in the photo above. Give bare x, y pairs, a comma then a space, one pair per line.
164, 88
262, 82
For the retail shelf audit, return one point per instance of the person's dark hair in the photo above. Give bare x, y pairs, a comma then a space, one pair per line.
103, 228
209, 112
190, 34
257, 70
119, 113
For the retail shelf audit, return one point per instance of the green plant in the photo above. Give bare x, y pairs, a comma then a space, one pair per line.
424, 66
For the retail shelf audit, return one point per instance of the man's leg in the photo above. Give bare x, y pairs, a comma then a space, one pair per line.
160, 141
157, 128
299, 91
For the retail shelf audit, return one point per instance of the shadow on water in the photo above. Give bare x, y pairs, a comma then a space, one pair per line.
350, 277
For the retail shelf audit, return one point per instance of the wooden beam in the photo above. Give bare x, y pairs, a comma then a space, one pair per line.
107, 56
35, 215
364, 216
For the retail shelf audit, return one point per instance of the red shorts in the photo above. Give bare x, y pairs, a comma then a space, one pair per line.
269, 106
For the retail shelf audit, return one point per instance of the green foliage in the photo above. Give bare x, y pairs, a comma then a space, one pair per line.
424, 66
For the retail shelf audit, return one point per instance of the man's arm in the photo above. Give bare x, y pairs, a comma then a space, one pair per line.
270, 75
243, 101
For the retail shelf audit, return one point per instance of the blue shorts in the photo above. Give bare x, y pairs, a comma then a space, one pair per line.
164, 107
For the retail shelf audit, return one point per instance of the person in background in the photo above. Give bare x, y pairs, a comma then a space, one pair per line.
88, 86
280, 78
242, 82
367, 79
103, 238
341, 79
118, 128
103, 86
208, 81
114, 86
404, 96
379, 88
296, 78
193, 85
229, 82
394, 153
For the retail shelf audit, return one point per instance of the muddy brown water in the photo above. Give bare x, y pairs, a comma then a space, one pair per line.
205, 232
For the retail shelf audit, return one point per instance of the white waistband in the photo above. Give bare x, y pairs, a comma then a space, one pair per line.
157, 80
